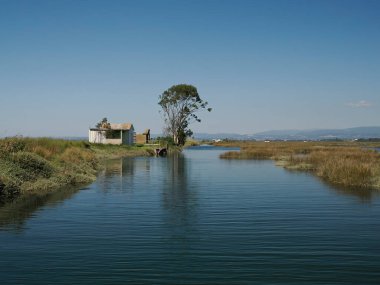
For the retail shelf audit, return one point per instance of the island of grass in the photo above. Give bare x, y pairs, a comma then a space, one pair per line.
351, 164
31, 165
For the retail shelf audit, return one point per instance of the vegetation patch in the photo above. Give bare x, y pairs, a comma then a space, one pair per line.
344, 163
31, 165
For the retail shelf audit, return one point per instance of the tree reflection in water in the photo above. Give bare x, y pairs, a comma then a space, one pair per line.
179, 198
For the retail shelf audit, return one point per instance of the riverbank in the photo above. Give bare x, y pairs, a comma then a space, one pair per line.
29, 165
344, 163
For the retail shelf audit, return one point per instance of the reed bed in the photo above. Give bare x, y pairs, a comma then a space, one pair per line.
343, 163
30, 165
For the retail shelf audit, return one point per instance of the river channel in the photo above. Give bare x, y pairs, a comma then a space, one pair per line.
193, 218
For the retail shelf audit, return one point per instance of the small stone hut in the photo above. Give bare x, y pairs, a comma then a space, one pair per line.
115, 134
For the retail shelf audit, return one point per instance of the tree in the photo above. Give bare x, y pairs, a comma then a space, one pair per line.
106, 126
179, 104
103, 124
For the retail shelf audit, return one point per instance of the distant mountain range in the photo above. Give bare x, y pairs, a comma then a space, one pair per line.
316, 134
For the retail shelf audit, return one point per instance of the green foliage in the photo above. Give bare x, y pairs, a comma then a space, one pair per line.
103, 124
110, 134
8, 189
40, 163
165, 141
180, 104
32, 165
12, 145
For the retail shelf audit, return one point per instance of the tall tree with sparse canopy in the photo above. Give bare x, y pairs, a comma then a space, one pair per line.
179, 104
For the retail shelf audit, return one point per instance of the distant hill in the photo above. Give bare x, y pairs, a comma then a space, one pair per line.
317, 134
206, 136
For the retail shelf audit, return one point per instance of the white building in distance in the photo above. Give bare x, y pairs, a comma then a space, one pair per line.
116, 134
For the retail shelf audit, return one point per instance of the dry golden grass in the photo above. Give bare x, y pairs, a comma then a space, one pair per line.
344, 163
42, 164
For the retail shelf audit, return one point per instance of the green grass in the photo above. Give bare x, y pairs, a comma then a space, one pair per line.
114, 151
30, 165
191, 142
344, 163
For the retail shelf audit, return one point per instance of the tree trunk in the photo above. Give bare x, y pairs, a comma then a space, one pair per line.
175, 139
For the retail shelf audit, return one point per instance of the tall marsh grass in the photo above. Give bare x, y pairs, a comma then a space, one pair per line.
347, 164
33, 164
30, 165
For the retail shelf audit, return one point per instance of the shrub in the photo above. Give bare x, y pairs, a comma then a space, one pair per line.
8, 189
163, 141
77, 155
32, 164
12, 145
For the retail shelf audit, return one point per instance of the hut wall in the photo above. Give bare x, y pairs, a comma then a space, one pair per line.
113, 141
96, 136
99, 136
141, 139
127, 137
130, 134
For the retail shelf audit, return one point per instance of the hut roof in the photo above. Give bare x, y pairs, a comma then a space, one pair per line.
124, 126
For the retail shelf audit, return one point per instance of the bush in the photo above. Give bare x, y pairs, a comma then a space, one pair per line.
12, 145
163, 141
32, 164
78, 156
8, 189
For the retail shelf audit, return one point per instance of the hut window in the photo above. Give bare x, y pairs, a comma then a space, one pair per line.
112, 134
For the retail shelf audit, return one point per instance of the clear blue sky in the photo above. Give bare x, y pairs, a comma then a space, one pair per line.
262, 65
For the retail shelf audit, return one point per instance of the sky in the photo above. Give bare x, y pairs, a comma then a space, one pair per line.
261, 65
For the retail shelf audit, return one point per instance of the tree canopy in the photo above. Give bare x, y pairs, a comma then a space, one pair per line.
179, 104
103, 124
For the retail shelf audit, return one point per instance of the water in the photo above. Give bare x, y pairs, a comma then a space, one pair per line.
194, 219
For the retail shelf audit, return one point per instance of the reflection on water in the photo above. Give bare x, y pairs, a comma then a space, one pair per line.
120, 173
14, 213
195, 219
364, 195
179, 198
122, 169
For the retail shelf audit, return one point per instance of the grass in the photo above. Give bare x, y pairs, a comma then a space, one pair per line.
114, 151
191, 142
343, 163
29, 165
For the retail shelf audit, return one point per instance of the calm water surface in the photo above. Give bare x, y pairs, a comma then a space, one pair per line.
194, 219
